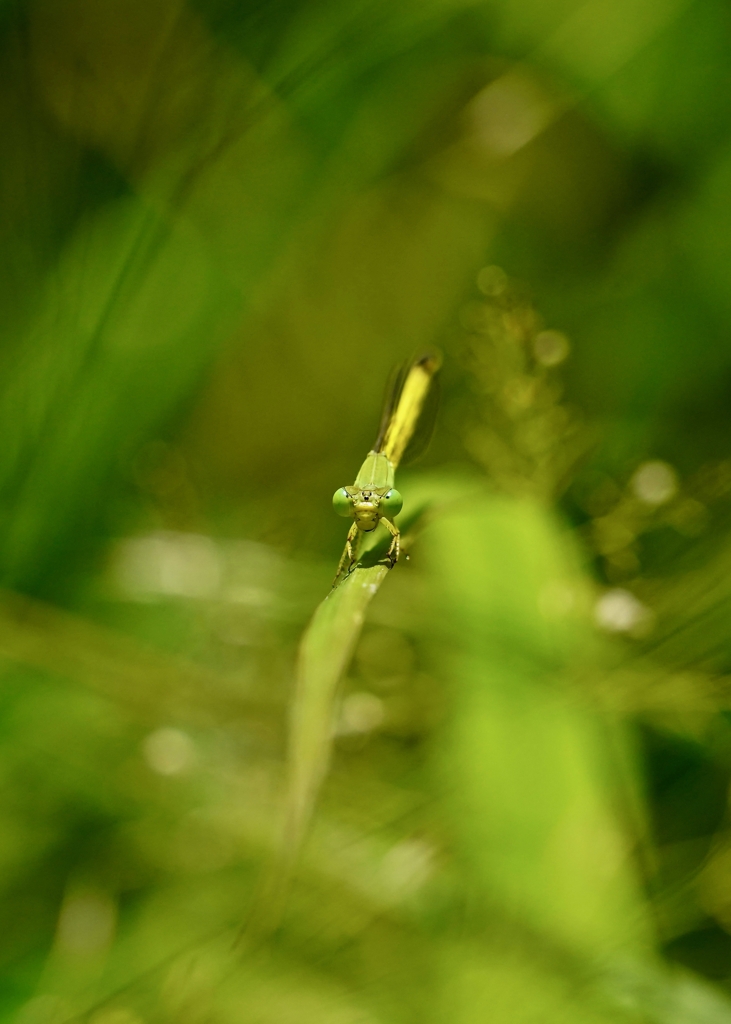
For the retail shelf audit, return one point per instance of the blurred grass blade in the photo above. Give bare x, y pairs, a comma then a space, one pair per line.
324, 654
127, 322
145, 684
528, 769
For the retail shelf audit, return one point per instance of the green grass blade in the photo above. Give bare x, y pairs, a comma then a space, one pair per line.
325, 651
324, 654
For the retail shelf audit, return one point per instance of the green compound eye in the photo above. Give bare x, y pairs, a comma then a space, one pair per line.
392, 503
342, 503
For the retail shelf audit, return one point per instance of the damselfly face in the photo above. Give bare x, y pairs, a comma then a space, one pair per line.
367, 507
367, 510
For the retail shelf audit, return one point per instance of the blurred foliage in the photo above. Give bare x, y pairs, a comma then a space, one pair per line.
222, 225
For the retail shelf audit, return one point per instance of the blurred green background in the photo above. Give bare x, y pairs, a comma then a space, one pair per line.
222, 224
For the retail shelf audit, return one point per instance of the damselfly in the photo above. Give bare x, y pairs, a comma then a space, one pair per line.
373, 499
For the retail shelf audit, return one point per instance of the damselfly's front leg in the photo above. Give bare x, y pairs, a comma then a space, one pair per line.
393, 552
349, 555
